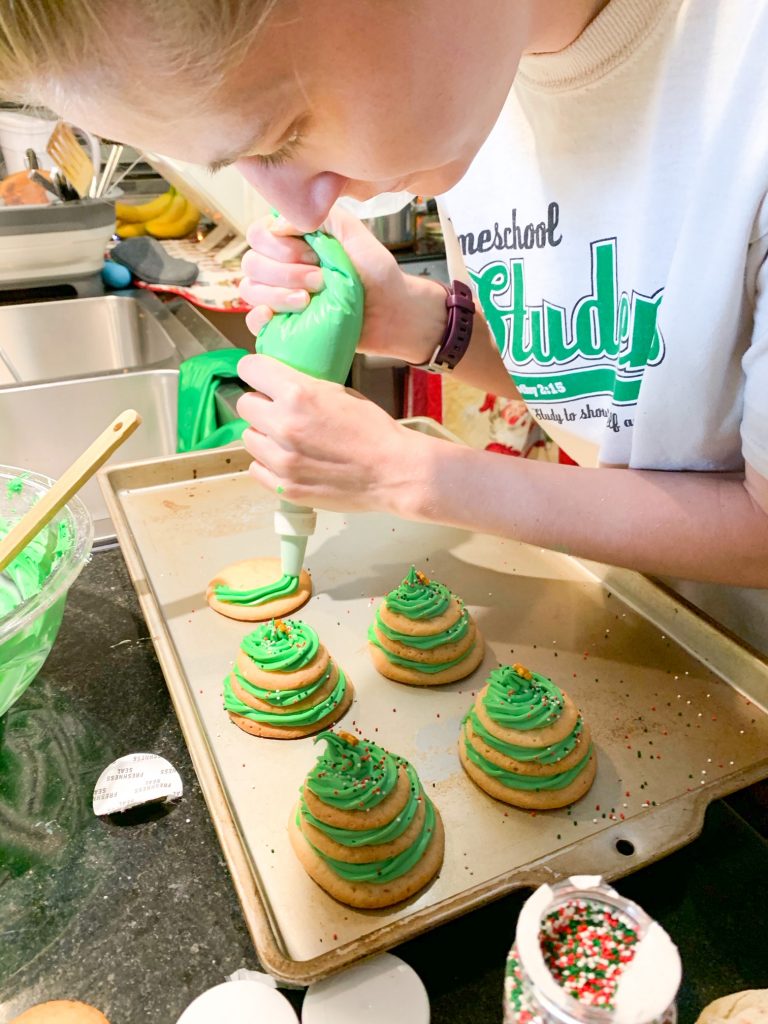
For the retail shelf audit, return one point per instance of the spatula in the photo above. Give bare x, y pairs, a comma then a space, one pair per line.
70, 157
71, 480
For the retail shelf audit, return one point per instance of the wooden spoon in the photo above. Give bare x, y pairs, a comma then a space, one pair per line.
69, 483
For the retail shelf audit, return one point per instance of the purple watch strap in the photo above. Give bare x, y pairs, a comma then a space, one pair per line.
458, 331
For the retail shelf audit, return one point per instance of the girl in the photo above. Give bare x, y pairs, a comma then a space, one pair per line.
604, 168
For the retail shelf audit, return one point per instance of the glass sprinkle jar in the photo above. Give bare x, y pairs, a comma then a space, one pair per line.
585, 955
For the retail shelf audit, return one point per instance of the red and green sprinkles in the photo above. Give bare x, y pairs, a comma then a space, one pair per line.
586, 946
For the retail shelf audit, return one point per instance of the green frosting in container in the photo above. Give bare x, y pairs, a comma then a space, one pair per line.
352, 776
388, 870
419, 666
281, 698
517, 702
531, 782
279, 646
283, 587
29, 570
306, 717
418, 597
539, 755
451, 635
322, 339
372, 836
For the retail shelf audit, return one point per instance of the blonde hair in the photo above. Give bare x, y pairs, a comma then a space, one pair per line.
50, 47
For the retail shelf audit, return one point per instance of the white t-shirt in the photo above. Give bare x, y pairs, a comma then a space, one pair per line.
615, 226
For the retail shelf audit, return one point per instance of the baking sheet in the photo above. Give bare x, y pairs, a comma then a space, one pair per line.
673, 730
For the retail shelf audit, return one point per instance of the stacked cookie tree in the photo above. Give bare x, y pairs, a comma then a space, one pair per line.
284, 684
524, 741
364, 828
424, 635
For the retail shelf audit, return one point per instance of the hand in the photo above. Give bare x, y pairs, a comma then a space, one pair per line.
404, 315
316, 443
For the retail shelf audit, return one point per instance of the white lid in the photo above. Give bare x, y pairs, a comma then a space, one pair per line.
240, 1002
382, 990
134, 780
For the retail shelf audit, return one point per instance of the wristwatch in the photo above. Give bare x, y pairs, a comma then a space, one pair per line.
458, 330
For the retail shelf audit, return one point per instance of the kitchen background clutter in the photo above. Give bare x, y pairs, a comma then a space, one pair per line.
151, 892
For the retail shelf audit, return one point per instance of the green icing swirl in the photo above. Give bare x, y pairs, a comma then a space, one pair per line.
416, 599
418, 666
352, 776
278, 646
283, 587
383, 871
451, 635
306, 717
530, 782
372, 836
281, 698
515, 702
539, 755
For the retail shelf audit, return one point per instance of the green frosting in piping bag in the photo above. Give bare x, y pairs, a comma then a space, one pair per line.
283, 587
322, 339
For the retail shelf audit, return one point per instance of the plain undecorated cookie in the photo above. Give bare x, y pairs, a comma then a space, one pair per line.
370, 895
748, 1007
61, 1011
528, 799
252, 573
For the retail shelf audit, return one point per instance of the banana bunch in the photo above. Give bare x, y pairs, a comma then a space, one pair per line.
167, 216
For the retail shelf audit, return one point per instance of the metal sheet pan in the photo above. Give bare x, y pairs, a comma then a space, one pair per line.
677, 707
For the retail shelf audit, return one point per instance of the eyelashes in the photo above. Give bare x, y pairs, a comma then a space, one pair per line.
280, 156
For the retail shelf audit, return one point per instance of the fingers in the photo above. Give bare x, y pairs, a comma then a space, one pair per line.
278, 300
274, 238
271, 378
280, 272
257, 317
267, 270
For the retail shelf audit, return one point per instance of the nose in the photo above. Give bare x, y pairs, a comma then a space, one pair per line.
304, 198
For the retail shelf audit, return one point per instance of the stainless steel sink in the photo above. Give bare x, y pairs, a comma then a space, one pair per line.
46, 426
46, 341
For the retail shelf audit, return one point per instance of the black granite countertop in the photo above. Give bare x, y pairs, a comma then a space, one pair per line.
140, 917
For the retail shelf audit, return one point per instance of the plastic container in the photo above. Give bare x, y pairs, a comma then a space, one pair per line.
583, 954
27, 633
20, 132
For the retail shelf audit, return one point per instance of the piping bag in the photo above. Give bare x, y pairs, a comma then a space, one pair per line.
320, 341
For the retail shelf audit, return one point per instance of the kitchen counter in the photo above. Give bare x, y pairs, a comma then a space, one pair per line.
138, 916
